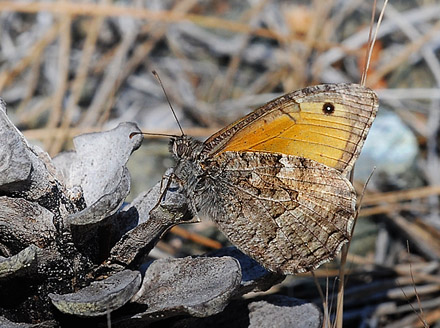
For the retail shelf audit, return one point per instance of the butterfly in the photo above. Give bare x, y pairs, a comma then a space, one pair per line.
275, 181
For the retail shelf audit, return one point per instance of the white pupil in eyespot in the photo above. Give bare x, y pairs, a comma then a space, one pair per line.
328, 108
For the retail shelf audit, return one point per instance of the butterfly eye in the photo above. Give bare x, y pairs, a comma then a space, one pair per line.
181, 150
328, 108
178, 148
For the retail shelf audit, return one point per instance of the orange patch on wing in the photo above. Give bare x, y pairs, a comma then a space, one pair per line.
300, 130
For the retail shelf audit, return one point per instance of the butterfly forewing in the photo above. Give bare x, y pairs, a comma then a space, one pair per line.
300, 124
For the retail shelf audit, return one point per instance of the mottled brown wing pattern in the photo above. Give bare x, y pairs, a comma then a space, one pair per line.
289, 213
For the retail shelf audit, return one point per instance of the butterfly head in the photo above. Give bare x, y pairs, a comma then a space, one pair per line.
186, 148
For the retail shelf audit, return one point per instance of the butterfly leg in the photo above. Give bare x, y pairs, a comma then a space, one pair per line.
177, 201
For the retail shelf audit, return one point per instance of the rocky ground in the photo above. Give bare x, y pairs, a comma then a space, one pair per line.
96, 254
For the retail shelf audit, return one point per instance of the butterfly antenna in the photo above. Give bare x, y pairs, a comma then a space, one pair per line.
168, 100
152, 134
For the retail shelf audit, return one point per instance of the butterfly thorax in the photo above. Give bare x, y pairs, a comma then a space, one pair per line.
192, 171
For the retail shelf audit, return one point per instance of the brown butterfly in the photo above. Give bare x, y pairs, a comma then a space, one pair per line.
275, 181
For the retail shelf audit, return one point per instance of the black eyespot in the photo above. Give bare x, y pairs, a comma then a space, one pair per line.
328, 108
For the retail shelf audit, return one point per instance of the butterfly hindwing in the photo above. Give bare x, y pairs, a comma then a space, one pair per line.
289, 213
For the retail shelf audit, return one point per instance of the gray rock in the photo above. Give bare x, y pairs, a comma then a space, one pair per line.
100, 160
23, 223
20, 264
254, 277
15, 164
5, 323
196, 286
100, 297
278, 311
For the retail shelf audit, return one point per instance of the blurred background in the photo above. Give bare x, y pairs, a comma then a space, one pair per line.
72, 67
